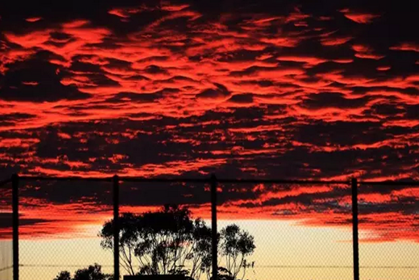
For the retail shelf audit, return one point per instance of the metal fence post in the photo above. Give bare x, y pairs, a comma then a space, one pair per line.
214, 242
354, 186
15, 219
116, 227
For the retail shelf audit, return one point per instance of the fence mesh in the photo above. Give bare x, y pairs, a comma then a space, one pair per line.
388, 232
300, 231
59, 226
166, 240
6, 249
282, 231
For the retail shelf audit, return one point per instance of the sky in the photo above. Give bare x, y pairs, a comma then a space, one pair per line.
243, 89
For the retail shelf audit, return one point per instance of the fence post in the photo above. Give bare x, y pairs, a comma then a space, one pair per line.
214, 242
15, 220
354, 186
116, 227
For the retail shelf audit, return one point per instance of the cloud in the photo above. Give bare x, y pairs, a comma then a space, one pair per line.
190, 88
361, 18
406, 47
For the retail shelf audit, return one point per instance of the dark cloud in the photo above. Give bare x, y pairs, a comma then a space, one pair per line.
36, 80
331, 99
242, 99
6, 221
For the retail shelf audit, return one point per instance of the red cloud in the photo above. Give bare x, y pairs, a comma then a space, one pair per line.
119, 13
190, 93
383, 68
361, 18
406, 47
29, 40
337, 41
364, 51
33, 19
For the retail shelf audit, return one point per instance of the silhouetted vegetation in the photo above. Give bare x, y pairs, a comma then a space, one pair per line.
170, 241
93, 272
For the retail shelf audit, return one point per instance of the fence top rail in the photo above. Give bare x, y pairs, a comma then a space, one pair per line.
283, 181
71, 178
208, 180
194, 180
180, 180
390, 183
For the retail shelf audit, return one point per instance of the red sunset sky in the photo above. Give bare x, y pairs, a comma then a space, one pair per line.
271, 89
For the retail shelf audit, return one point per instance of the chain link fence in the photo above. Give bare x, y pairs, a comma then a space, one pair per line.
266, 230
300, 231
59, 226
388, 231
171, 228
6, 246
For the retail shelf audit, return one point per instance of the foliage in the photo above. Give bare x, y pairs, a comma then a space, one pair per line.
169, 241
236, 245
63, 275
93, 272
161, 242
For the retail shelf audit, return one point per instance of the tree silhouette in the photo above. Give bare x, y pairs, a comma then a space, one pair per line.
236, 245
161, 242
170, 241
93, 272
63, 275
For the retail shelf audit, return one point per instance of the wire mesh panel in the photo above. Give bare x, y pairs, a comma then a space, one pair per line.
6, 248
164, 229
285, 231
59, 226
388, 232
